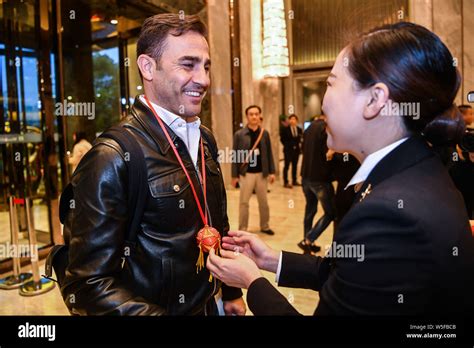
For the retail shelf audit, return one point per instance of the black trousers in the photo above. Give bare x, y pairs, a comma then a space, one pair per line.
291, 158
315, 192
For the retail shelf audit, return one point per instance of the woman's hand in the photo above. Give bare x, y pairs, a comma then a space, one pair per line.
253, 247
234, 269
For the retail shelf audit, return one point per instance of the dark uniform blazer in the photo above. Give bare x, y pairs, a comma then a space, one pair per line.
290, 143
418, 248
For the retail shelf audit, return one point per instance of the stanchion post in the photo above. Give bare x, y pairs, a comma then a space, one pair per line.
14, 237
17, 278
38, 285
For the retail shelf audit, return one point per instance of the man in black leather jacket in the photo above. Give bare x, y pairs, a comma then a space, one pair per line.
159, 276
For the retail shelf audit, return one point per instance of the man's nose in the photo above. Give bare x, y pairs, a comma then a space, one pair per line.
201, 77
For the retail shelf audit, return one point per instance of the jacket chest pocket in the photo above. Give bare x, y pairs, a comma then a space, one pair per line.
173, 204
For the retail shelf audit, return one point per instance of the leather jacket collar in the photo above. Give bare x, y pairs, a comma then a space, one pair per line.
146, 118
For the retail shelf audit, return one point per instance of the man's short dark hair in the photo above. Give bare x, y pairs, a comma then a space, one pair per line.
155, 29
251, 107
293, 116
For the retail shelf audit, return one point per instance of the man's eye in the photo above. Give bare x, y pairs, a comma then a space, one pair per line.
206, 68
188, 65
328, 83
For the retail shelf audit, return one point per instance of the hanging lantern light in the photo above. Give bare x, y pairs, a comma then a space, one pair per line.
275, 42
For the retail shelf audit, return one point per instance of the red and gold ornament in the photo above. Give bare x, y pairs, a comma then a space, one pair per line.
207, 238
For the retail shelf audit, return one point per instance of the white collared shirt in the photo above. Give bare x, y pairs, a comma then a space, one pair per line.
189, 132
371, 161
360, 176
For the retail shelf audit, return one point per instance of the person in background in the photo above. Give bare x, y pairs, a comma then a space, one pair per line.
405, 247
468, 115
462, 171
80, 148
256, 170
317, 186
291, 137
448, 153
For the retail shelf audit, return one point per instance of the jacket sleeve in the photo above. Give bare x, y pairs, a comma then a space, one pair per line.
228, 293
303, 271
97, 228
235, 147
298, 271
271, 163
264, 299
283, 138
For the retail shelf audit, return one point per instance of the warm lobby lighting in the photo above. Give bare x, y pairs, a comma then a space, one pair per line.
275, 43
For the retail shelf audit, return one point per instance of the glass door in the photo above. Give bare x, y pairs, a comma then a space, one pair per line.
28, 168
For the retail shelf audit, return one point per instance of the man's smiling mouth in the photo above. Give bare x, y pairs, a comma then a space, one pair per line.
193, 93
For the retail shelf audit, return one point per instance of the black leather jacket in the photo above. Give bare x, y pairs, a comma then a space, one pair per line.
159, 277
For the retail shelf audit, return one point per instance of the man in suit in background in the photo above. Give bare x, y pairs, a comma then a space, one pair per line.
291, 138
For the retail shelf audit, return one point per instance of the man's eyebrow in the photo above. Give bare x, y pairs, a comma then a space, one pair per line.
193, 59
332, 75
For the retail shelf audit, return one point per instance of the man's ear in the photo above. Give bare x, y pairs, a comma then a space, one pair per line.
147, 66
378, 96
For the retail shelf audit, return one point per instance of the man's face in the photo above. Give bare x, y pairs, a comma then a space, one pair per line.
182, 78
293, 121
253, 117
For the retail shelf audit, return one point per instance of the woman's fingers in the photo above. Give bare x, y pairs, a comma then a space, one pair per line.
231, 247
228, 240
213, 261
244, 239
228, 254
239, 233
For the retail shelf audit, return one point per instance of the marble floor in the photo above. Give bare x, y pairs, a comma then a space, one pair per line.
286, 210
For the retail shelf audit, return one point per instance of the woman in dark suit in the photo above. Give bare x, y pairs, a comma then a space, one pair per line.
405, 246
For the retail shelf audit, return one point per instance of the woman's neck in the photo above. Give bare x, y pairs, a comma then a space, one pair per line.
377, 144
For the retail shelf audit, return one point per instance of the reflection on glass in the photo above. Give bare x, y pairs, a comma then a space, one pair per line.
21, 148
106, 88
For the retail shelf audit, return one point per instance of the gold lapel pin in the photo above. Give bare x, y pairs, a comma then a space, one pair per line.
367, 191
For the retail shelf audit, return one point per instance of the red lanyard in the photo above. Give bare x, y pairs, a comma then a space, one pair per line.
203, 165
